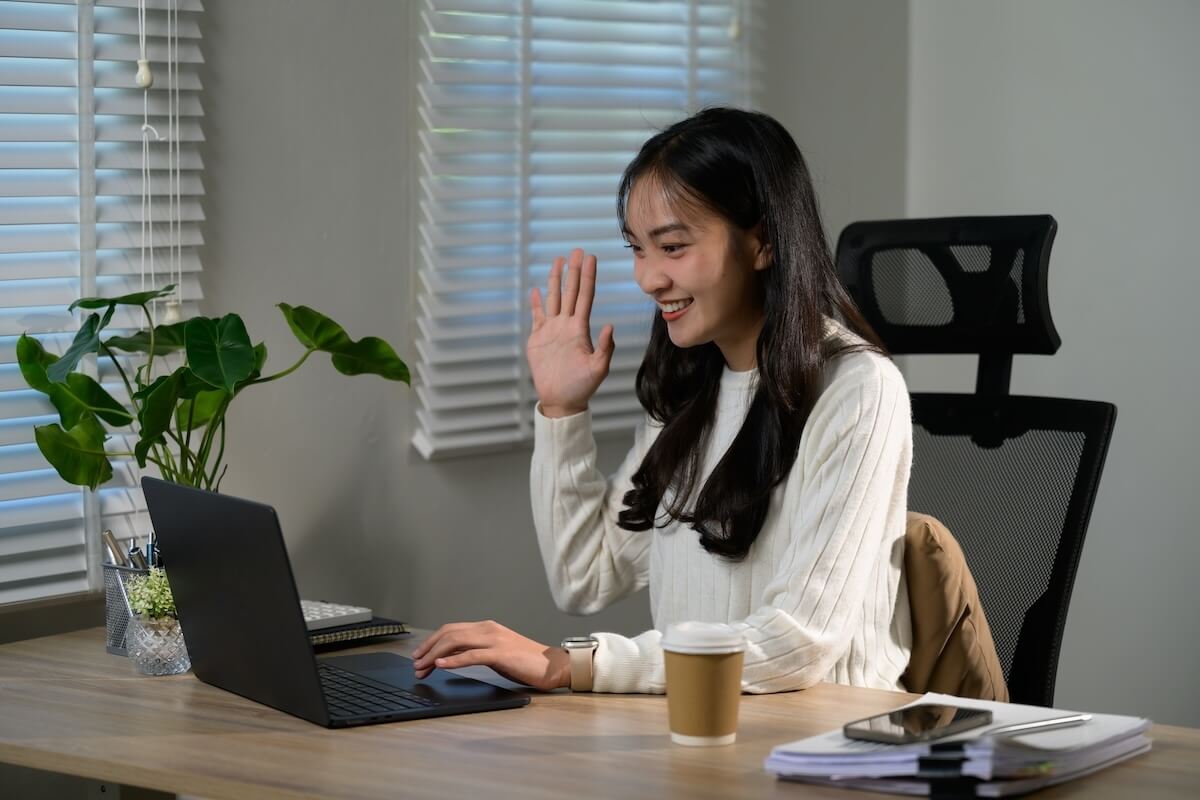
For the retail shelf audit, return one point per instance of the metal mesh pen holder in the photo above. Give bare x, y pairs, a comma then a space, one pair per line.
116, 606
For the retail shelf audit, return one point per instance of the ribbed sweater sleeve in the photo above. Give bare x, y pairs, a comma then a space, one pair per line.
590, 561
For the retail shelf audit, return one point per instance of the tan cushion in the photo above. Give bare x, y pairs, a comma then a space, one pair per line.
953, 650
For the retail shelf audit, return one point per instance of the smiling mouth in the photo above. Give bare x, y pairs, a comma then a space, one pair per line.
677, 305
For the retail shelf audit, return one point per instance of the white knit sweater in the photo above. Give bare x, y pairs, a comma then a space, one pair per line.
821, 595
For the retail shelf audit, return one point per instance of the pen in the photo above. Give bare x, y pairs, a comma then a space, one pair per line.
114, 549
1037, 726
135, 556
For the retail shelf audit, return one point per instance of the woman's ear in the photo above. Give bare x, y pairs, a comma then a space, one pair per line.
764, 254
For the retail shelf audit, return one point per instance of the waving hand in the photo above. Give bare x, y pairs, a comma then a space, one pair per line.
567, 369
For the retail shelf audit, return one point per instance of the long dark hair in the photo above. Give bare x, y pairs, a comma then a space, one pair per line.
744, 167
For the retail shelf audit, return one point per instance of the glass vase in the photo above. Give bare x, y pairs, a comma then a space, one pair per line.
156, 646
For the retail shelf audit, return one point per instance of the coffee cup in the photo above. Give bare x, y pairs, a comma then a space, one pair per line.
704, 682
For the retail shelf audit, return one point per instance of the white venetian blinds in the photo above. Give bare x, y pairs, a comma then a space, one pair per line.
529, 112
70, 225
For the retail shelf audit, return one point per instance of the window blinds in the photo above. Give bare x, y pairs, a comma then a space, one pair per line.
529, 111
70, 225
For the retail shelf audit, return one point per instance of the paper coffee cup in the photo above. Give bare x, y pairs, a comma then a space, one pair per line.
704, 682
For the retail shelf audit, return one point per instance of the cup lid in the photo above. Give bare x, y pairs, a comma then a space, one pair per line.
703, 637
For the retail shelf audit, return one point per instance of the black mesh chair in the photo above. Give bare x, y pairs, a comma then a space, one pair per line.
1013, 478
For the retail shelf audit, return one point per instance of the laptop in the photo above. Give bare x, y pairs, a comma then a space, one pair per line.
245, 632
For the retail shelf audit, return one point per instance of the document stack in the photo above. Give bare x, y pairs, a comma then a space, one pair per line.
970, 763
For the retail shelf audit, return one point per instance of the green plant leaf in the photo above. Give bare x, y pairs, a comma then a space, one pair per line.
190, 385
135, 299
314, 330
82, 396
76, 454
34, 360
79, 397
219, 351
144, 392
206, 404
155, 416
370, 355
167, 339
86, 341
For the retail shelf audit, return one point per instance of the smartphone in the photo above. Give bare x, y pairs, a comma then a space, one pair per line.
923, 722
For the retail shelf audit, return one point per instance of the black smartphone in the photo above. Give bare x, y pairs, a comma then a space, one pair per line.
923, 722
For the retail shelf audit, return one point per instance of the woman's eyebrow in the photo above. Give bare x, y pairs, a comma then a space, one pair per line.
670, 227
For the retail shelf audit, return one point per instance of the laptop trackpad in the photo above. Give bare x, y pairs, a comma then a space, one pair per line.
441, 685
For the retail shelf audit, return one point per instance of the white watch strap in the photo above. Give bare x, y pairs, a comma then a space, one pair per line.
581, 668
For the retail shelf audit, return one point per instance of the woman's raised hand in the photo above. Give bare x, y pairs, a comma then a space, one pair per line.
566, 368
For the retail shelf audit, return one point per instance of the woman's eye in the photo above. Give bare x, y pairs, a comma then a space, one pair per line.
633, 247
672, 248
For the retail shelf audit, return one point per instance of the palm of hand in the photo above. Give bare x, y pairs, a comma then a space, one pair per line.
565, 367
562, 363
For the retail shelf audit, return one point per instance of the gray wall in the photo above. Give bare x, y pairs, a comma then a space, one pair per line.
837, 78
1089, 111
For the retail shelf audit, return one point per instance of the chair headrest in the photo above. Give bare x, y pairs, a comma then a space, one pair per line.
953, 284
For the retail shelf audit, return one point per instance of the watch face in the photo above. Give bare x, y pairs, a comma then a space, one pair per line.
580, 642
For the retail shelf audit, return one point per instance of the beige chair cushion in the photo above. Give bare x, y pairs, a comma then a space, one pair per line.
953, 650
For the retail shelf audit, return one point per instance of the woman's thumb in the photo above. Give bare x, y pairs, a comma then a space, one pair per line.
605, 346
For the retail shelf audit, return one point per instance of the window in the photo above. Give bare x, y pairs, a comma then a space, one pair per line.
529, 111
70, 225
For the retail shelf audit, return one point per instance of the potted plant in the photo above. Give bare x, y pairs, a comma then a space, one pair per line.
178, 400
177, 418
154, 639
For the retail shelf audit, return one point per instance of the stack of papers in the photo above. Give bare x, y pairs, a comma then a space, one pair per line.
988, 766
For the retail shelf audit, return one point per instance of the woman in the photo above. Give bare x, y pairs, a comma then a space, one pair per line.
766, 487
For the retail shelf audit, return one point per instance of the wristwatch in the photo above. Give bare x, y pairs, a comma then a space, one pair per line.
581, 649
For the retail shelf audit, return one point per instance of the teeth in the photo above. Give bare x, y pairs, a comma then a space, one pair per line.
676, 306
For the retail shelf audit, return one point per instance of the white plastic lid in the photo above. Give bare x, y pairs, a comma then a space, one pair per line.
703, 637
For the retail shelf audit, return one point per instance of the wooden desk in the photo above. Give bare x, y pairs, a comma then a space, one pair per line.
68, 707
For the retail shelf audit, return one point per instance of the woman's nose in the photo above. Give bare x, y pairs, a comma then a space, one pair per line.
649, 277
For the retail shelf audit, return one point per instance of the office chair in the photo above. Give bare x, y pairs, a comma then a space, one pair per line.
1013, 478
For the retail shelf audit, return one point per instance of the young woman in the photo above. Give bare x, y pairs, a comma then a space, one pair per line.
766, 487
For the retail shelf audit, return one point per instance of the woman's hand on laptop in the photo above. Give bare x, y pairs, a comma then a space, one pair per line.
466, 644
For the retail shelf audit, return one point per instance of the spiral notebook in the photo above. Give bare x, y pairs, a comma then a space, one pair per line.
375, 626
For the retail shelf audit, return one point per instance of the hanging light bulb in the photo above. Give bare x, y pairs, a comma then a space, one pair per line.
145, 78
174, 311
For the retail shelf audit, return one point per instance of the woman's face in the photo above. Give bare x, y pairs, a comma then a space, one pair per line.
700, 270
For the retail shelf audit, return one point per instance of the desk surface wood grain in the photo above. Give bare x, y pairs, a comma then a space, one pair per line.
66, 706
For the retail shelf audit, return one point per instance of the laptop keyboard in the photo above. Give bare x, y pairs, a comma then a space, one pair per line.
351, 695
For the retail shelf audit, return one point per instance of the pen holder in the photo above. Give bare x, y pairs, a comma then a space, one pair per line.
116, 606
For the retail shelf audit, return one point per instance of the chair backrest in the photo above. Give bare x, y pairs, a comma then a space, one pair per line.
1013, 477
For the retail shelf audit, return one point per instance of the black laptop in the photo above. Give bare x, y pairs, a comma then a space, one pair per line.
241, 618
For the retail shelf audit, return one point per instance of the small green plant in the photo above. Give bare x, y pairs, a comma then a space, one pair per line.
150, 595
177, 419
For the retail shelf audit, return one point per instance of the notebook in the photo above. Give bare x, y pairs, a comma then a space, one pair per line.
241, 618
972, 763
353, 633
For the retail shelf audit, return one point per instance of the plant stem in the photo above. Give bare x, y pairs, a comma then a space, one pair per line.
220, 455
220, 478
172, 473
184, 453
210, 431
186, 444
287, 371
128, 386
150, 358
